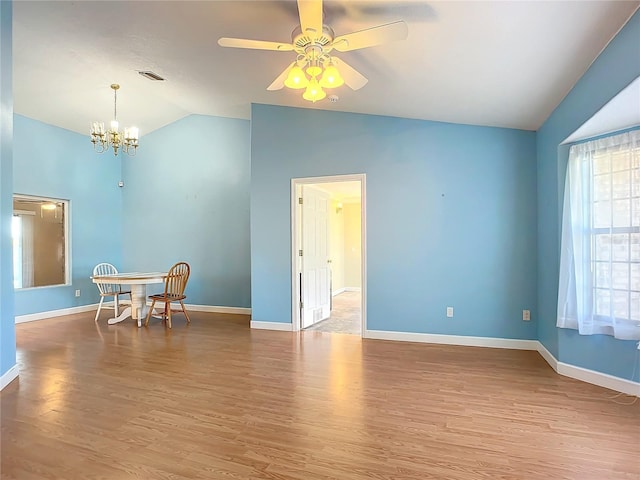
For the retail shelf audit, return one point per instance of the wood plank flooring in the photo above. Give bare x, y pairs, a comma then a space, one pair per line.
217, 400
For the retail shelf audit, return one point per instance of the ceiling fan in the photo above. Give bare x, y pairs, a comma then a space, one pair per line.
315, 67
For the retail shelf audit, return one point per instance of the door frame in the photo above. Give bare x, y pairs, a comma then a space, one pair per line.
295, 243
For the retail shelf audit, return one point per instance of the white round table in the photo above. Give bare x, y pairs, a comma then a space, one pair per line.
138, 282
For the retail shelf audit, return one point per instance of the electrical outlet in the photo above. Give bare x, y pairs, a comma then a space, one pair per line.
526, 315
450, 312
77, 293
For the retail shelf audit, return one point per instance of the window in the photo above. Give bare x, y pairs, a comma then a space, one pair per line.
40, 242
599, 288
615, 234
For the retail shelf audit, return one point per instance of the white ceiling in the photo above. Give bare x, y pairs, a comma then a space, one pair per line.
505, 63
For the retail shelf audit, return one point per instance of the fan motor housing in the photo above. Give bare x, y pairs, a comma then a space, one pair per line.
303, 43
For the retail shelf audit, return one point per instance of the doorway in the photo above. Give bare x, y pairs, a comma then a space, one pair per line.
328, 227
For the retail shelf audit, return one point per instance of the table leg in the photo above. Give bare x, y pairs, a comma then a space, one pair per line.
126, 313
139, 302
138, 309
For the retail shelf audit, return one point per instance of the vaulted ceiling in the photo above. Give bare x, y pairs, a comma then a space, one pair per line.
504, 64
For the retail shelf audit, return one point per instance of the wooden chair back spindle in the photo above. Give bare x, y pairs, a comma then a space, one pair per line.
177, 280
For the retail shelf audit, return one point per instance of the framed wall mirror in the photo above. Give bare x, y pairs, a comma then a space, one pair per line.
40, 233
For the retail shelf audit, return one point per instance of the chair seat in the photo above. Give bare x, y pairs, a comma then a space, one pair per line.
162, 297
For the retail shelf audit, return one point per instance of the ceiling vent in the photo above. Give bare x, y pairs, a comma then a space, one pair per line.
151, 75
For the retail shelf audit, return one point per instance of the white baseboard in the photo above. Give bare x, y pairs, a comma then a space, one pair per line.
590, 376
345, 289
511, 343
218, 309
32, 317
9, 376
283, 327
546, 354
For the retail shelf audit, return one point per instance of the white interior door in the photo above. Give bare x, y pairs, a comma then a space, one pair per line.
316, 298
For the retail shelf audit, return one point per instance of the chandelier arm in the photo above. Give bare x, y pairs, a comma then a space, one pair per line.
99, 147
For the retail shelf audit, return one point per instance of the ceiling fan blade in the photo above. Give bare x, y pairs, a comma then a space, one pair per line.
255, 44
371, 36
350, 75
278, 83
310, 12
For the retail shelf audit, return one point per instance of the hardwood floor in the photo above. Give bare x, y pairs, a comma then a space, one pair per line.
217, 400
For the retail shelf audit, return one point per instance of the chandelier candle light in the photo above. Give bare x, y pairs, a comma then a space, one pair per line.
102, 140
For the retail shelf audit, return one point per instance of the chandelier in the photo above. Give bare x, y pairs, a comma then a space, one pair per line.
113, 138
313, 71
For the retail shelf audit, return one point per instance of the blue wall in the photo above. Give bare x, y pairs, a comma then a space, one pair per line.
186, 197
62, 164
7, 325
451, 217
613, 70
191, 177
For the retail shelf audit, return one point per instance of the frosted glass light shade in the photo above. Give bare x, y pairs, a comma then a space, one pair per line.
296, 78
331, 78
314, 92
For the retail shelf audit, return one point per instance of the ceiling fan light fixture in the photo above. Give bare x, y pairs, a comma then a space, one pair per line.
331, 78
296, 78
313, 42
314, 91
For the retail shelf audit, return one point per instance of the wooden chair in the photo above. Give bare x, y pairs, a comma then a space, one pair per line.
108, 289
173, 292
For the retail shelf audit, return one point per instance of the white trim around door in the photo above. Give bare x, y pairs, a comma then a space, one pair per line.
296, 184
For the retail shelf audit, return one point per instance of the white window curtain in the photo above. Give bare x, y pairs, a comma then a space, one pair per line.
599, 283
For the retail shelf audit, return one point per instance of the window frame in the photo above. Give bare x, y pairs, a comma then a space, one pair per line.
66, 207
